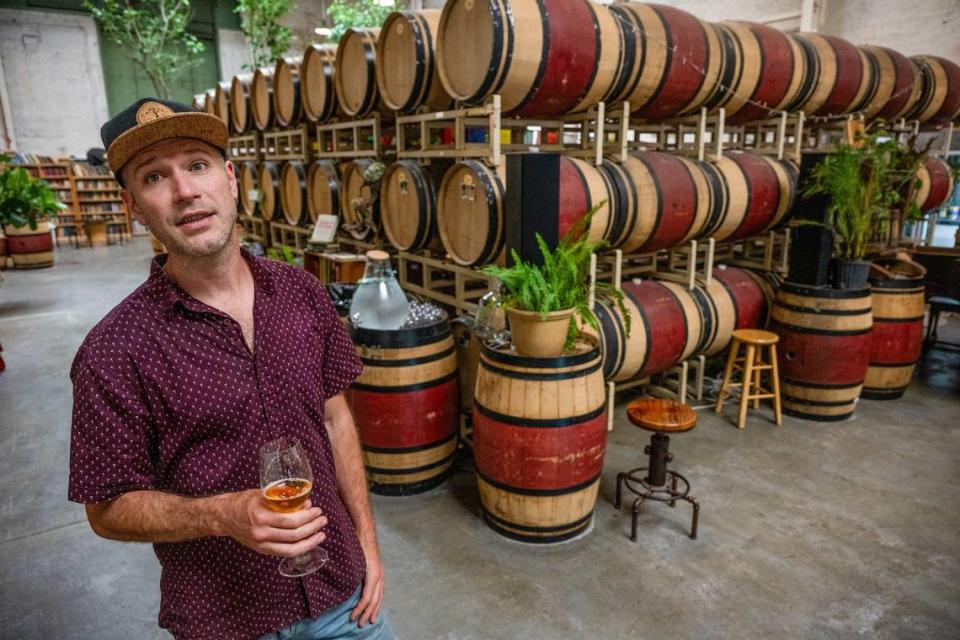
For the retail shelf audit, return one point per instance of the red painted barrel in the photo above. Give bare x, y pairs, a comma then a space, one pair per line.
897, 337
406, 406
735, 299
318, 94
770, 75
674, 62
898, 84
824, 349
837, 77
939, 100
543, 57
666, 328
662, 200
936, 184
752, 194
539, 435
30, 248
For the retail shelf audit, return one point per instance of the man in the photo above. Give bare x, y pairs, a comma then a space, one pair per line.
178, 387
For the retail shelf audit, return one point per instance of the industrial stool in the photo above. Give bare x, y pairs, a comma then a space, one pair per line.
939, 304
752, 364
662, 417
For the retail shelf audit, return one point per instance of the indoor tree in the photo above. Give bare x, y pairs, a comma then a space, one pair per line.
154, 34
260, 21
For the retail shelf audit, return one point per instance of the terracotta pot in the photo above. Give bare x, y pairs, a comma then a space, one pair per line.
533, 336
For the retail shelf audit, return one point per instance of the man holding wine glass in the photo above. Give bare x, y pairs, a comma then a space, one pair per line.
208, 411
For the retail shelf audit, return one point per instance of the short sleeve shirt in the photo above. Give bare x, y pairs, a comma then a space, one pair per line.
168, 397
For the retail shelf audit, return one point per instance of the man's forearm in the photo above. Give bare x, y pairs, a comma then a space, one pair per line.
154, 516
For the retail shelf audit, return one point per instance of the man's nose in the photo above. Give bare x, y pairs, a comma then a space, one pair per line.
184, 187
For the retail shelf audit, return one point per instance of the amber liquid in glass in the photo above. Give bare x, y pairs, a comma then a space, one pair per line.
287, 495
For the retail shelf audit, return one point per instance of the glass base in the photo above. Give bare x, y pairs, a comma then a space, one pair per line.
304, 564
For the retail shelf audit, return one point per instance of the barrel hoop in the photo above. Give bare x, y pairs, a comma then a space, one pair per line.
705, 304
825, 293
504, 531
610, 324
897, 320
629, 47
425, 228
538, 492
421, 76
815, 417
540, 423
817, 403
520, 375
646, 328
810, 79
821, 312
408, 362
371, 56
403, 472
502, 29
824, 332
495, 236
418, 448
540, 363
525, 527
544, 56
895, 365
871, 91
730, 45
721, 194
818, 385
419, 337
407, 388
903, 287
618, 216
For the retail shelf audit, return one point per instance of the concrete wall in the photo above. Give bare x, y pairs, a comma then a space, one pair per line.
233, 52
919, 26
54, 81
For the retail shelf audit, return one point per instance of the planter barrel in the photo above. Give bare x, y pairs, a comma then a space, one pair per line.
30, 248
897, 342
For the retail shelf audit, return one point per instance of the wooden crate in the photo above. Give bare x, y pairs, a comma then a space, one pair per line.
334, 267
287, 144
244, 147
351, 139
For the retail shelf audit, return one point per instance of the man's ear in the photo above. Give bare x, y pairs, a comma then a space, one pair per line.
132, 206
232, 177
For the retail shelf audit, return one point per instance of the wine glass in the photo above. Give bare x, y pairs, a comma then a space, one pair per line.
286, 481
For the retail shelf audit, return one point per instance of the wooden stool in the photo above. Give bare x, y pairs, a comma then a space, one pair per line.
752, 364
662, 417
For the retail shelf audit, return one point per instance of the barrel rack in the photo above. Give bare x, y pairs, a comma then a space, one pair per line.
244, 147
442, 280
282, 234
254, 228
352, 139
287, 144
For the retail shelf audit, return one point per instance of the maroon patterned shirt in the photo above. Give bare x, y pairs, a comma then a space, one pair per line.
168, 397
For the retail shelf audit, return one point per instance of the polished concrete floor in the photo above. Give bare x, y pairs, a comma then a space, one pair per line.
807, 530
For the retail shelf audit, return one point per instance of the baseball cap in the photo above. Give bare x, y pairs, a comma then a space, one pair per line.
151, 120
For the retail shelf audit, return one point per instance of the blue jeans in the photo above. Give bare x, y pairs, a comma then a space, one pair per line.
335, 624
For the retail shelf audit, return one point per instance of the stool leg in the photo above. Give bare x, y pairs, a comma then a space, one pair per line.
757, 377
620, 477
696, 515
731, 359
745, 389
775, 378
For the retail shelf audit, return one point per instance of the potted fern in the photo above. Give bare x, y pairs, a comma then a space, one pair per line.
25, 205
543, 302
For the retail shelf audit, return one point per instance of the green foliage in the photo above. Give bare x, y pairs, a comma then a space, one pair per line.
154, 34
561, 282
25, 200
285, 254
864, 181
260, 21
347, 14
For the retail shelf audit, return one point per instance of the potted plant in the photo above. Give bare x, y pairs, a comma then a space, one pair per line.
25, 205
863, 181
543, 302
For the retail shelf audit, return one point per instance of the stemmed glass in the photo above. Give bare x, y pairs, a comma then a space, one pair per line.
286, 481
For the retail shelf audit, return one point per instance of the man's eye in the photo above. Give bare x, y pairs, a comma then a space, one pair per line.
153, 178
198, 166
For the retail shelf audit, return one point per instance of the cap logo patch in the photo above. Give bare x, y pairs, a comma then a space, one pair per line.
150, 111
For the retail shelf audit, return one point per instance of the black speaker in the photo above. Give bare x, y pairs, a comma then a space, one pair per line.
811, 245
533, 204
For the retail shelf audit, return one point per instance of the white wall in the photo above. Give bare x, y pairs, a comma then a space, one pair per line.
233, 52
54, 81
914, 27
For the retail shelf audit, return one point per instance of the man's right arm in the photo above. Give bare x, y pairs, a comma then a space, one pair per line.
155, 516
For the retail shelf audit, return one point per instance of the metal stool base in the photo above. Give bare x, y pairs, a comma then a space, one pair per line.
638, 485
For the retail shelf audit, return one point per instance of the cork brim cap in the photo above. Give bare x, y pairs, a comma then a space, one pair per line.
154, 121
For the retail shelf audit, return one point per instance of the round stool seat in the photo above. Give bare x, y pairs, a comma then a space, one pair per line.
756, 336
662, 415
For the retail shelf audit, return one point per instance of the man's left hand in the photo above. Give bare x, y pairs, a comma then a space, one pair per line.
368, 608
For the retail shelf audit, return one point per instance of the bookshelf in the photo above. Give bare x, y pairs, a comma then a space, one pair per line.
57, 175
98, 203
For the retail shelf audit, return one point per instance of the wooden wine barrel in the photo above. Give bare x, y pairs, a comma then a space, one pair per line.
662, 200
407, 73
543, 57
408, 204
261, 99
771, 74
897, 336
752, 194
240, 102
837, 76
293, 193
898, 83
356, 193
470, 212
824, 349
286, 91
30, 248
318, 93
665, 328
221, 103
939, 100
679, 63
323, 189
355, 76
3, 249
249, 188
406, 407
936, 184
539, 435
735, 299
209, 102
269, 181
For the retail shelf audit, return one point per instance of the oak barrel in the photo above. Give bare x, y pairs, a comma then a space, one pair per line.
539, 435
898, 84
355, 77
269, 182
936, 184
30, 248
406, 406
358, 198
408, 204
286, 91
221, 103
939, 100
240, 102
407, 74
897, 337
837, 76
318, 93
261, 98
249, 187
293, 193
824, 350
323, 189
470, 212
734, 299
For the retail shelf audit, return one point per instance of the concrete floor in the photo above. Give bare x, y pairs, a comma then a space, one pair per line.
807, 531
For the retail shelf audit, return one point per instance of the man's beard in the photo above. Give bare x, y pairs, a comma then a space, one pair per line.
178, 245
